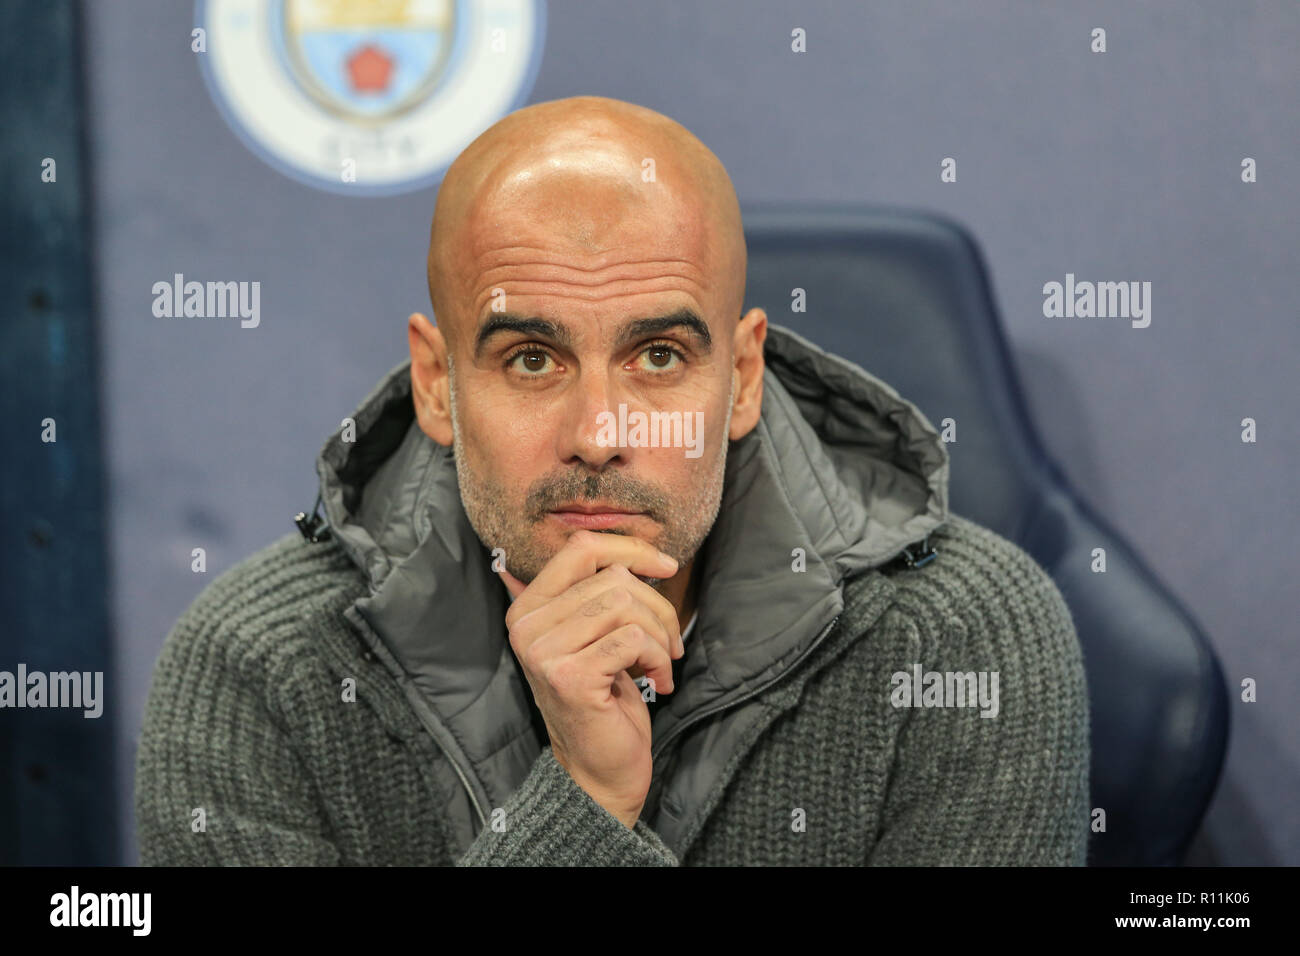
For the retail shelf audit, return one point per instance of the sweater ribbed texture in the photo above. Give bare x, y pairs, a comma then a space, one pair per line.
246, 721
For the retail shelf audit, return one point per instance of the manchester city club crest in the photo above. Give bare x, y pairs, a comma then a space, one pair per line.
367, 97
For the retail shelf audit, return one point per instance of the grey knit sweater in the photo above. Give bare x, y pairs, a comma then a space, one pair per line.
245, 722
843, 698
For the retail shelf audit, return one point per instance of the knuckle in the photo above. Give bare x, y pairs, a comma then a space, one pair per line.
513, 614
613, 644
532, 659
558, 675
595, 606
521, 633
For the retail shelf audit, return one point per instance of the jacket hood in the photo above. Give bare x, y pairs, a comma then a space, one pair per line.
839, 466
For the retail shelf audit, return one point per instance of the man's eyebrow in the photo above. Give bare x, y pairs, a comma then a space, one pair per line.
633, 331
508, 322
682, 318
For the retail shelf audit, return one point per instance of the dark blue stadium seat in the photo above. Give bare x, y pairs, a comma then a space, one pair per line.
906, 296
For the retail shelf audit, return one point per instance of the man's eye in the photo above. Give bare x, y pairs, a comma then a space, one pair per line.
529, 361
662, 357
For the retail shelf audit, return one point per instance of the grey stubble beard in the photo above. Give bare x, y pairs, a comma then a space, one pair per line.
487, 505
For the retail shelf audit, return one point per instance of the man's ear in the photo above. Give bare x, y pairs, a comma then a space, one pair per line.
430, 386
747, 406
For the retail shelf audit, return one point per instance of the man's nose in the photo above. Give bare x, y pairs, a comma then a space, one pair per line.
590, 431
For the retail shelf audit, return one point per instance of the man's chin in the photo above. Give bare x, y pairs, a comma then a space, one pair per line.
644, 523
551, 540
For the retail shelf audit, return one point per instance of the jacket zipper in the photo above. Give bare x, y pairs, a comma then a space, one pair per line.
680, 728
464, 780
658, 747
429, 721
473, 799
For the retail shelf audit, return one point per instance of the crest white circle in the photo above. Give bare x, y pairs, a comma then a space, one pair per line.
387, 92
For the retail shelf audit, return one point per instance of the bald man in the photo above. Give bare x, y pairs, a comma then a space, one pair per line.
611, 572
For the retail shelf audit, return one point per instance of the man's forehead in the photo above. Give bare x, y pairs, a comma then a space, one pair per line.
588, 209
588, 231
536, 271
586, 196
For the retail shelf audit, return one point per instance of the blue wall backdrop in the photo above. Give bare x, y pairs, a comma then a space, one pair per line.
1123, 165
56, 765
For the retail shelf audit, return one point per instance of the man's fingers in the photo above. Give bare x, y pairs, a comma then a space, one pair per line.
598, 593
586, 553
627, 646
618, 607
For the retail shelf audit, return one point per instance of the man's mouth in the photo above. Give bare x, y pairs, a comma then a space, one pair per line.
594, 516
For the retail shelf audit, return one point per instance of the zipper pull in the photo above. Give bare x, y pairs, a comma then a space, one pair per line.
919, 555
314, 527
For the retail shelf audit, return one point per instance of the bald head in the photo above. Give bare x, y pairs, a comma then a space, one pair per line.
585, 185
587, 255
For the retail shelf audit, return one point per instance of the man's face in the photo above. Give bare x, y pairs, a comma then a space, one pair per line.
574, 345
589, 365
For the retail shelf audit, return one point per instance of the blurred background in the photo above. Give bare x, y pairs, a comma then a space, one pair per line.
221, 156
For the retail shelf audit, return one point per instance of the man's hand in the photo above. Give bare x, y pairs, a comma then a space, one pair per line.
577, 629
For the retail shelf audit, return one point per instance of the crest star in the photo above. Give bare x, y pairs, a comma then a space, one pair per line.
370, 69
